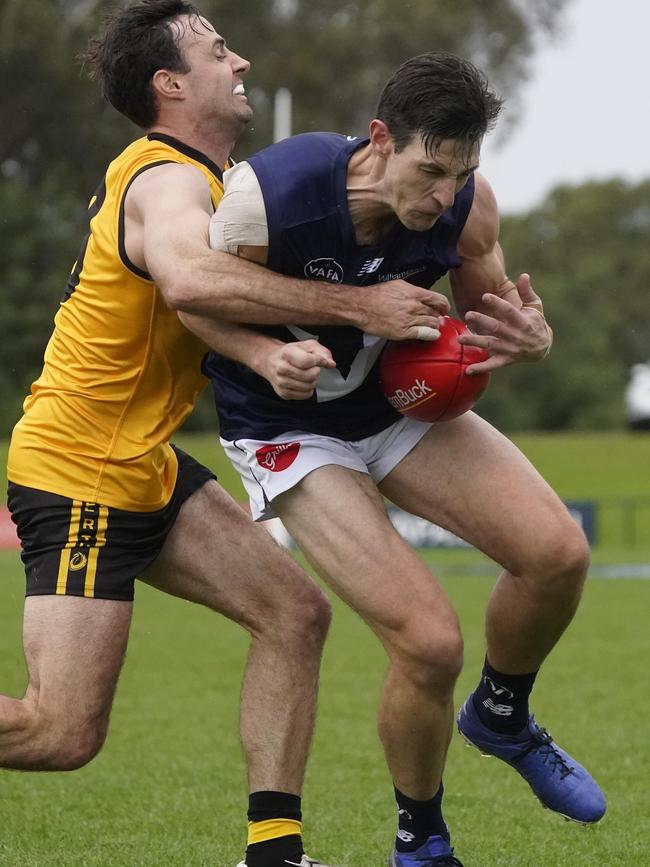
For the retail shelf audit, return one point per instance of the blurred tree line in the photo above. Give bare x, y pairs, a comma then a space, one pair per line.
587, 251
583, 246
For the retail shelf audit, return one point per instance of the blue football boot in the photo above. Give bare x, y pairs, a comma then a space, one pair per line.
560, 783
436, 852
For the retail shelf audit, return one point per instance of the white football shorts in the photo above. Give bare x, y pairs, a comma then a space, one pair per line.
270, 467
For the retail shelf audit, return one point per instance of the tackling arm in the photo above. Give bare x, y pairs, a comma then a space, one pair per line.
168, 212
291, 368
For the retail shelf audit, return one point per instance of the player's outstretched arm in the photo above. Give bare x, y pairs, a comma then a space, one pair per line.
506, 318
168, 212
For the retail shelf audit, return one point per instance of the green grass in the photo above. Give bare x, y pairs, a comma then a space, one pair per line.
168, 788
591, 465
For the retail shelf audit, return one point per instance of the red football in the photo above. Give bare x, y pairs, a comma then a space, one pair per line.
426, 379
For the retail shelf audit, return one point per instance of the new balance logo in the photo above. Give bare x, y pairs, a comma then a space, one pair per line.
498, 709
370, 266
499, 692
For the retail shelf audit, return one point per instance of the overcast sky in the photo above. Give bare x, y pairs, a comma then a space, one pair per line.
585, 109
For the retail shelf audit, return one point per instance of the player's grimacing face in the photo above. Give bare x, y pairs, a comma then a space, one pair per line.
215, 80
422, 184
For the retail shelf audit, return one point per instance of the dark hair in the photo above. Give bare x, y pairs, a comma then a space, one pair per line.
438, 96
135, 43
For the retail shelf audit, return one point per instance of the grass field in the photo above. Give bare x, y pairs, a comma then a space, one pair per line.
168, 789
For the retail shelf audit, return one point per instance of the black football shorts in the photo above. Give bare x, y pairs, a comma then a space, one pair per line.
74, 548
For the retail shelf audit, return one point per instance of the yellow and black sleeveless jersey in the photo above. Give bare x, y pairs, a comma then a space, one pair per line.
121, 373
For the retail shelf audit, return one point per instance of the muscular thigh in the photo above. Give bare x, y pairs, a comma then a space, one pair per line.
466, 476
74, 649
338, 518
216, 556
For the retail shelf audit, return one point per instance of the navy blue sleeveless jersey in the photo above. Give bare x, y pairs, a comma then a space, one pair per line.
311, 234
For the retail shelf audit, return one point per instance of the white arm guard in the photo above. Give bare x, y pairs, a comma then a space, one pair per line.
240, 218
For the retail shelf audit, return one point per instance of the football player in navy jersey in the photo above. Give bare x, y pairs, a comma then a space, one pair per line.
303, 419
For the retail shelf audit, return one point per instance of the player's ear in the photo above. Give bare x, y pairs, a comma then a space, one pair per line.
380, 138
167, 84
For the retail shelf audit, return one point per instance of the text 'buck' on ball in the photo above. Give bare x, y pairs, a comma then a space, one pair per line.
427, 380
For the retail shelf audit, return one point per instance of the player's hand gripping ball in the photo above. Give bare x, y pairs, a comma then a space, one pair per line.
426, 379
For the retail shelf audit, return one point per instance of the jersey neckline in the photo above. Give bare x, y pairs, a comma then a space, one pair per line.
191, 152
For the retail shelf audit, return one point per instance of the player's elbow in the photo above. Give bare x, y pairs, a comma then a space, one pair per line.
187, 285
178, 291
177, 298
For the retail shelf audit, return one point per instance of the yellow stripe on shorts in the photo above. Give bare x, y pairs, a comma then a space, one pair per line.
73, 537
93, 553
272, 829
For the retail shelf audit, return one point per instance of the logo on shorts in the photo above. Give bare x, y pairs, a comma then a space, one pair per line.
277, 456
77, 561
324, 269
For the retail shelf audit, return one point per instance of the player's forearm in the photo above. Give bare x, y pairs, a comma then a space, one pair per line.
242, 344
471, 282
226, 287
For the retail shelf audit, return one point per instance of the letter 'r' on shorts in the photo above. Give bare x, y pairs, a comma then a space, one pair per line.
268, 468
77, 548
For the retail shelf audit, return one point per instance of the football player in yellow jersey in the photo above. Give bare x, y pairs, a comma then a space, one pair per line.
99, 495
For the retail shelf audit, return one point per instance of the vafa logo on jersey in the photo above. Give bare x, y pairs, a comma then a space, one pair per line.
329, 269
324, 269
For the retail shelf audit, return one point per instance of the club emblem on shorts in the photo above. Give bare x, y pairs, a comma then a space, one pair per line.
77, 561
277, 456
324, 269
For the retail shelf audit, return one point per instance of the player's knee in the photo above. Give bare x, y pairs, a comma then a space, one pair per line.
69, 748
562, 567
431, 657
310, 617
81, 750
577, 557
45, 742
558, 567
297, 619
69, 756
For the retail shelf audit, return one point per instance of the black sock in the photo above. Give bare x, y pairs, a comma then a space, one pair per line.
501, 700
274, 829
419, 820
